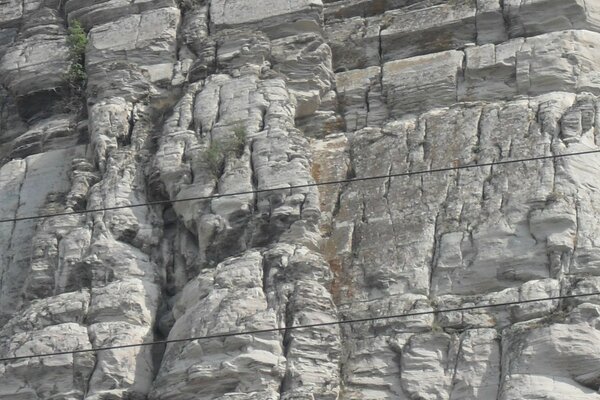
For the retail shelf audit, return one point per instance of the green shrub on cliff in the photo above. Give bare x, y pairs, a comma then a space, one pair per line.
217, 151
77, 41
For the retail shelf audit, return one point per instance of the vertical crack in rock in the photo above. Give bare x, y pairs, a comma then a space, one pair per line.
126, 141
435, 252
87, 386
501, 375
8, 259
574, 252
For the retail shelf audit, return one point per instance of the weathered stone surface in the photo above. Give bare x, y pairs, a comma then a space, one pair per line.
131, 37
366, 8
207, 125
361, 98
56, 132
137, 50
408, 29
529, 66
239, 303
37, 60
561, 361
91, 13
447, 26
540, 16
404, 81
235, 12
28, 185
12, 11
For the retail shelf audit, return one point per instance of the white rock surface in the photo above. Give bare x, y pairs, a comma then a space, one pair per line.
200, 99
234, 12
38, 58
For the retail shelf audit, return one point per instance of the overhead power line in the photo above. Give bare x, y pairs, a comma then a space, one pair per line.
308, 185
295, 327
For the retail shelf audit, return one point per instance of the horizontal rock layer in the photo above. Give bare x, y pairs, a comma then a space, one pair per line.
243, 107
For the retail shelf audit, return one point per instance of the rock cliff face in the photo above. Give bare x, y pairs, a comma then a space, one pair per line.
197, 98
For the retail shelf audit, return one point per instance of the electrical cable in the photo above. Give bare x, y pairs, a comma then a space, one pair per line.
308, 185
316, 325
335, 182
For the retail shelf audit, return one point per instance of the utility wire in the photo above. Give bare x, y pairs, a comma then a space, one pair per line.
335, 182
294, 327
308, 185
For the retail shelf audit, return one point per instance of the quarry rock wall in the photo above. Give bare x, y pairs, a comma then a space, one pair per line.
222, 101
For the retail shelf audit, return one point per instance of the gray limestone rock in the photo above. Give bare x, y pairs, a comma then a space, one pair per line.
189, 205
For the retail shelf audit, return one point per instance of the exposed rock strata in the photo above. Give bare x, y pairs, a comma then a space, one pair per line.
196, 99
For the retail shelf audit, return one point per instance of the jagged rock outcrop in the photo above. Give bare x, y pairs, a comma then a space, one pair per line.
223, 101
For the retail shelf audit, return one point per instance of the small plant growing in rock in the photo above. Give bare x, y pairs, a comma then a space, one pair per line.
215, 156
217, 151
76, 76
77, 41
240, 139
555, 196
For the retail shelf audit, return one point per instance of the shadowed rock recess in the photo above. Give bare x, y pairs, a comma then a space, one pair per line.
195, 98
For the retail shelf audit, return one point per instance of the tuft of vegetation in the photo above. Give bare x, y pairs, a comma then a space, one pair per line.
77, 41
215, 158
239, 139
217, 151
76, 77
555, 196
